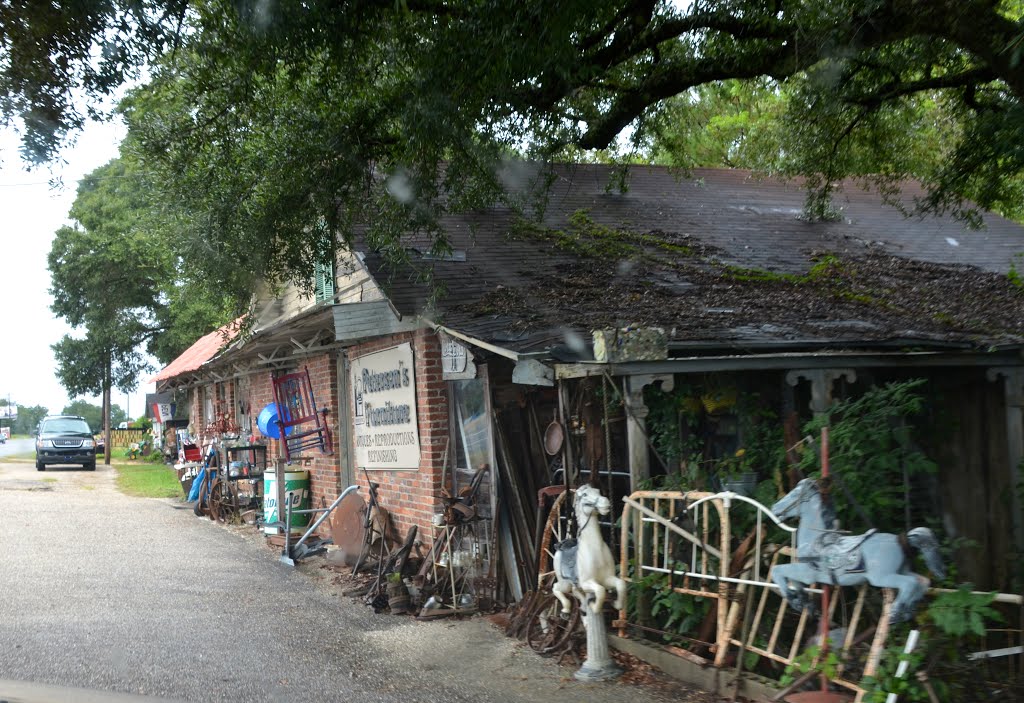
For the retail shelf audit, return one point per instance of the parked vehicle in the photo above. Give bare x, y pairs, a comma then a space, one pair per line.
65, 439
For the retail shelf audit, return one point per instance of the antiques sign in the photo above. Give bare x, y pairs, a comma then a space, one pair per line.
384, 389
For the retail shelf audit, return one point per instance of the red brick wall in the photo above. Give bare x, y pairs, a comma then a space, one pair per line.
323, 469
412, 497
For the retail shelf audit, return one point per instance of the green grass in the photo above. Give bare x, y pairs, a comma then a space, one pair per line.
147, 481
25, 456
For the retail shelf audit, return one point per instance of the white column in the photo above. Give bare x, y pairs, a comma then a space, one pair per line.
821, 384
599, 665
636, 425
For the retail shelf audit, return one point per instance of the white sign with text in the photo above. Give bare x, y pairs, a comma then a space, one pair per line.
384, 394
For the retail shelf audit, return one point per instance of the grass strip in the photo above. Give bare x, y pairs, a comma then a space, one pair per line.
147, 481
22, 457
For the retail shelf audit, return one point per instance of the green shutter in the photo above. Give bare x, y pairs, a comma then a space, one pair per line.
325, 282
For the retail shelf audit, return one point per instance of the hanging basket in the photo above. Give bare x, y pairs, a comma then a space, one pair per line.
719, 400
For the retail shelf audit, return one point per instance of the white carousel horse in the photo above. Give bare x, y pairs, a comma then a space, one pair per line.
880, 558
585, 565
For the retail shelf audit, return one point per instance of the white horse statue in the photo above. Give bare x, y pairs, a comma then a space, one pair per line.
585, 565
826, 557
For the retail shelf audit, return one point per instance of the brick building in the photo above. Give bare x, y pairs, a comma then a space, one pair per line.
744, 289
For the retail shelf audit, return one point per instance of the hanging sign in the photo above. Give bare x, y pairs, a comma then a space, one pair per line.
455, 360
384, 396
453, 356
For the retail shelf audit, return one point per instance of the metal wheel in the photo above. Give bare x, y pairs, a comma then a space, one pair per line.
556, 529
219, 501
550, 629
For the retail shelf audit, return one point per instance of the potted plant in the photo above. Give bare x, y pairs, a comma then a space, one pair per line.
736, 473
398, 594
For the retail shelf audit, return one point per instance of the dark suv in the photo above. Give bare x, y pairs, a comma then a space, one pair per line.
65, 439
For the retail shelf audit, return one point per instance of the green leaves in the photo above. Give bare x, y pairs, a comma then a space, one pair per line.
872, 449
259, 120
961, 612
118, 276
677, 612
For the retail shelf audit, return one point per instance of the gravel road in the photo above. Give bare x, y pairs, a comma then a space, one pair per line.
110, 593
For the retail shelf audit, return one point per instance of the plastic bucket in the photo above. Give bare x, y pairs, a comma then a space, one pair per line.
296, 491
267, 422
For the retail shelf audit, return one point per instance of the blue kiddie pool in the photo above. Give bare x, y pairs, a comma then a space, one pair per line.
267, 422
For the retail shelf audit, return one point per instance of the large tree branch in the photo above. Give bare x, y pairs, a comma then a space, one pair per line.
672, 80
781, 58
898, 89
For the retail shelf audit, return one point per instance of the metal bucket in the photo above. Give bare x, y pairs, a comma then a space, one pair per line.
296, 487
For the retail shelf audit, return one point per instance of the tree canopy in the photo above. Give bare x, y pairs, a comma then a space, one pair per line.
28, 419
117, 274
123, 286
279, 124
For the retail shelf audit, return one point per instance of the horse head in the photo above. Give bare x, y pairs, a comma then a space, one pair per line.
588, 499
789, 505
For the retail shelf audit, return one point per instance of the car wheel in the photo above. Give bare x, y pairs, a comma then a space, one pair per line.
39, 466
91, 466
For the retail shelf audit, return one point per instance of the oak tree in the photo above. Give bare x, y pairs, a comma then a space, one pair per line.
279, 124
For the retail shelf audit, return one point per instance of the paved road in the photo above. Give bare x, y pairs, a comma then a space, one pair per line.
111, 593
17, 446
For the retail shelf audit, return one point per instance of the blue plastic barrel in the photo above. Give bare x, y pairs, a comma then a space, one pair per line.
267, 422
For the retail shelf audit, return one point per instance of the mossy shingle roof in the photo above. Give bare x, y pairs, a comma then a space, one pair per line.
721, 258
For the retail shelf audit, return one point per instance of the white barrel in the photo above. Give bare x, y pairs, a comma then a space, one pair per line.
296, 491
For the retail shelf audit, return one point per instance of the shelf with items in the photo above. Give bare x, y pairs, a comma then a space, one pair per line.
246, 462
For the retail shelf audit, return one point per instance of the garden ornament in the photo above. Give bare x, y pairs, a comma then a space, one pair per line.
585, 568
825, 556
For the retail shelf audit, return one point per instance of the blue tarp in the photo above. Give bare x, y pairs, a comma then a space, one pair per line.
197, 482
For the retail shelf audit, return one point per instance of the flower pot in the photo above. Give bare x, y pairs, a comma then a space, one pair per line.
398, 598
744, 484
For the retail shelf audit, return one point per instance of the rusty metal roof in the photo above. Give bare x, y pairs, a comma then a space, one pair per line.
204, 349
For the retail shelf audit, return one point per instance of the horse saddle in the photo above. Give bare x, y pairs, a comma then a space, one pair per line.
835, 553
567, 561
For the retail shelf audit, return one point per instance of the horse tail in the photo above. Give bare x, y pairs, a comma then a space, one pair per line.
922, 539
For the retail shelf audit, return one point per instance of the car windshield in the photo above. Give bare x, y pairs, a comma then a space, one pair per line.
66, 425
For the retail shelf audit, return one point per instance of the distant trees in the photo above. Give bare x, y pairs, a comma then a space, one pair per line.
28, 419
115, 280
93, 414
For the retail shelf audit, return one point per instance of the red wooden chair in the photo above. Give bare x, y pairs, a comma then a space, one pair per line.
301, 425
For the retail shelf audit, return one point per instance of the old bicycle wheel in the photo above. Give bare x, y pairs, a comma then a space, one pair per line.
550, 629
556, 529
218, 501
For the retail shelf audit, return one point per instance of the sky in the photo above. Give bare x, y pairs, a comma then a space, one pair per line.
32, 211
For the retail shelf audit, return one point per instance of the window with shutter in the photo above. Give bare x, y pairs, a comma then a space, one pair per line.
324, 282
